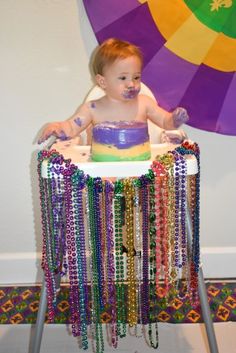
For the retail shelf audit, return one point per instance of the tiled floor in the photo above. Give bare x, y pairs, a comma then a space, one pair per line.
174, 338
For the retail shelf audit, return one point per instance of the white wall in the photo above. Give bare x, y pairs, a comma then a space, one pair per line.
45, 47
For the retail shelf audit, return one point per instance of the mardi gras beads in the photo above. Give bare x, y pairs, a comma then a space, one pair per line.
153, 270
94, 220
138, 247
159, 172
186, 149
81, 264
155, 226
46, 258
145, 234
119, 257
131, 280
108, 189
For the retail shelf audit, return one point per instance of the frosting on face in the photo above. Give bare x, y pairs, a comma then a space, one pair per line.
130, 93
122, 134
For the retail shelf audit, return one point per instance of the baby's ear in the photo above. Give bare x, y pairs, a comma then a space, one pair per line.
100, 81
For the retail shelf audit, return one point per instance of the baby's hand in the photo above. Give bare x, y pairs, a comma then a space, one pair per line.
175, 137
180, 116
59, 130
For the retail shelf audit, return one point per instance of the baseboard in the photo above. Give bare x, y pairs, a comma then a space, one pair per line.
218, 262
18, 268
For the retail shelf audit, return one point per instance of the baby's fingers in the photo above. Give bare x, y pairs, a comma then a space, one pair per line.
180, 116
59, 130
62, 135
48, 131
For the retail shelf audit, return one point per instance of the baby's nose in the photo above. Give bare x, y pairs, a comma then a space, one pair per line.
130, 84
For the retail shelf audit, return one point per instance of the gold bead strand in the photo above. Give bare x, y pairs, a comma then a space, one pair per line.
131, 278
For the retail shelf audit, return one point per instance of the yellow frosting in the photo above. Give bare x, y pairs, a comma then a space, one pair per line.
124, 153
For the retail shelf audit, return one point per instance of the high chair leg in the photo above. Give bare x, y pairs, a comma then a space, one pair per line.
38, 330
206, 313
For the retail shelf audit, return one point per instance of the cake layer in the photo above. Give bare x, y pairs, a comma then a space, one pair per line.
121, 134
104, 153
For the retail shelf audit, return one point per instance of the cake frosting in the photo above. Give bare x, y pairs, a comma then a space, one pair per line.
120, 141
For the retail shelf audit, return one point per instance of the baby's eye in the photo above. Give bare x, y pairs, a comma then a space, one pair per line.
137, 78
122, 78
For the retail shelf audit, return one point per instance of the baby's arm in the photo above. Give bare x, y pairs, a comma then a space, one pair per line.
70, 128
164, 119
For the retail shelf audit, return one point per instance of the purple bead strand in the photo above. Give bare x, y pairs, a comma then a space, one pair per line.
81, 259
145, 266
71, 251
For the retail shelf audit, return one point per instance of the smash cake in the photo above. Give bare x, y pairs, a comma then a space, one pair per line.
120, 141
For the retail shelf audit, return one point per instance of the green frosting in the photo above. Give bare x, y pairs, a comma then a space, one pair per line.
110, 158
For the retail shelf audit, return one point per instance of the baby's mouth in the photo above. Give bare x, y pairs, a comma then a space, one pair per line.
131, 93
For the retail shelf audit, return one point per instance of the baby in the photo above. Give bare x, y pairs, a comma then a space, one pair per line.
117, 67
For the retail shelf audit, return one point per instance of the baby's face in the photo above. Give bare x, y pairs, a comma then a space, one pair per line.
122, 78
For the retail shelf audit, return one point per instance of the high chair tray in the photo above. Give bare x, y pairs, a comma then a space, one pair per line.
81, 156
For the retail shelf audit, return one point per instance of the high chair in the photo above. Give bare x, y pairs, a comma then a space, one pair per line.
106, 170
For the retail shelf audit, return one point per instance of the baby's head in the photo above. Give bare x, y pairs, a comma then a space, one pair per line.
117, 69
111, 50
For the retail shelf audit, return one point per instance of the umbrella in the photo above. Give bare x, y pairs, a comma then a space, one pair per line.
189, 52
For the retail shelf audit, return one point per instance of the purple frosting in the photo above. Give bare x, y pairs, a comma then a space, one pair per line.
78, 121
130, 93
122, 134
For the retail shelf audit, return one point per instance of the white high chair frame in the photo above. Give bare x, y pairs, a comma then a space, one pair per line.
95, 93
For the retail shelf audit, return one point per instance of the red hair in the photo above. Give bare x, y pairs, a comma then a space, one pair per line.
111, 50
